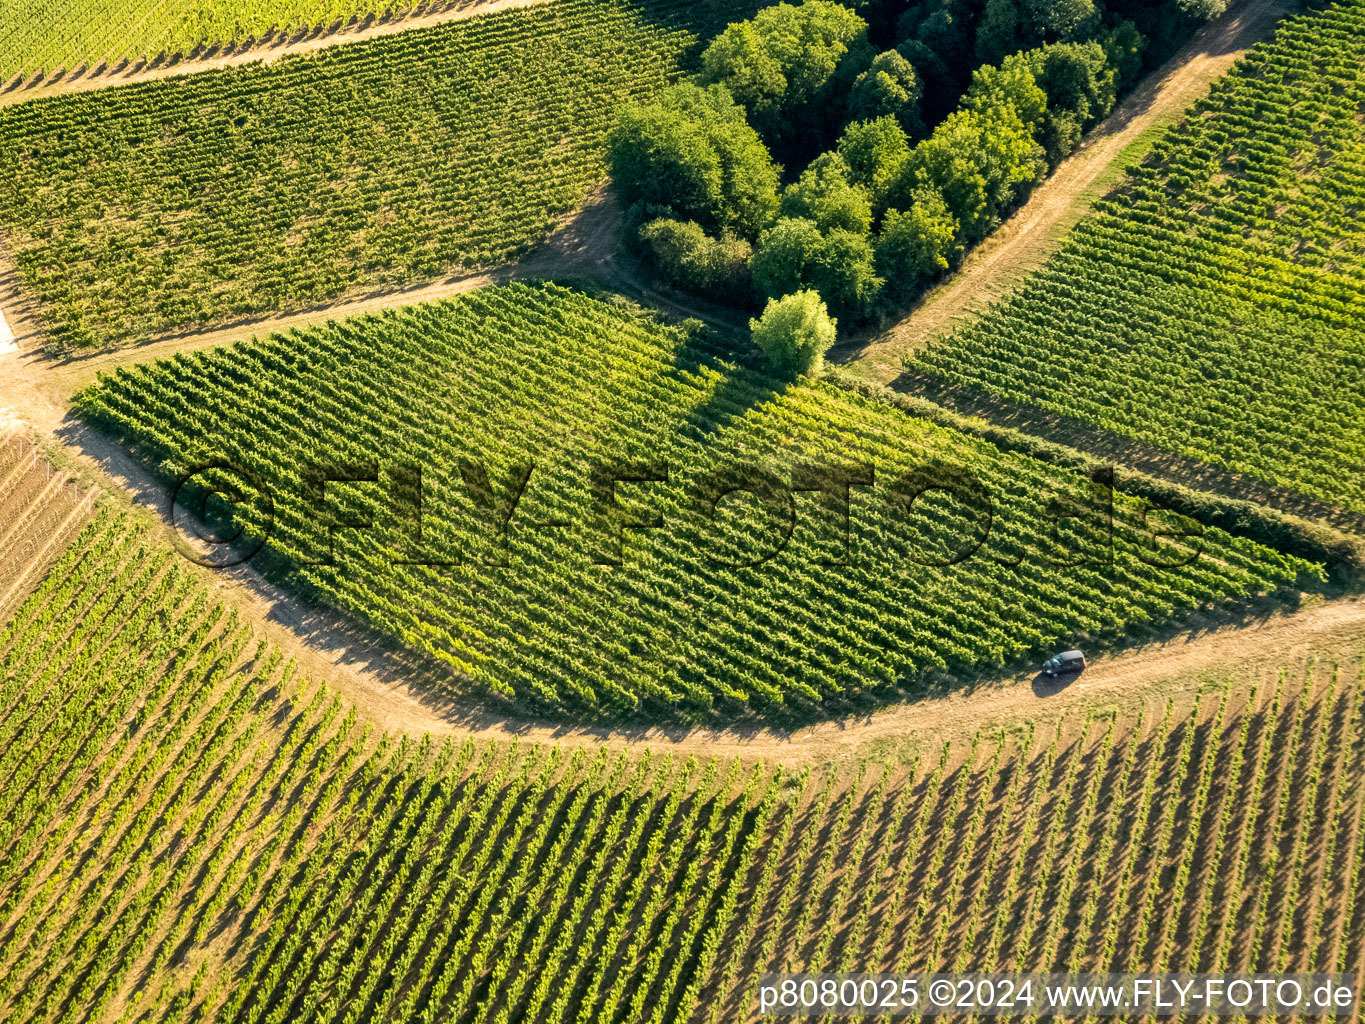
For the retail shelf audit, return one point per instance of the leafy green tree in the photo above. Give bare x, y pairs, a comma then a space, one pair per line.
943, 27
938, 38
782, 66
1008, 26
1203, 8
825, 195
916, 245
840, 265
1077, 77
1081, 87
1124, 47
1063, 19
980, 161
691, 152
875, 153
844, 271
889, 88
688, 258
1013, 83
795, 332
781, 264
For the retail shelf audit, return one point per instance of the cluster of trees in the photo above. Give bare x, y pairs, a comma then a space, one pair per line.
896, 184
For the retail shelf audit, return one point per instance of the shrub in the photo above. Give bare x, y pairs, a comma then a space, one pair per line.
795, 332
688, 258
889, 88
825, 195
693, 153
916, 245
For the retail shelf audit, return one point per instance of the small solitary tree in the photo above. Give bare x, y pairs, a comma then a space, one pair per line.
795, 332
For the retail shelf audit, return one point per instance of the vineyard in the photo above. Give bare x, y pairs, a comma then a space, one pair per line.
41, 510
750, 602
1213, 306
39, 36
175, 204
192, 831
432, 716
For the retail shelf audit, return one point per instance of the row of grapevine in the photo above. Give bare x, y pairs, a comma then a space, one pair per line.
192, 831
210, 197
41, 509
168, 780
1115, 811
542, 375
41, 36
1212, 306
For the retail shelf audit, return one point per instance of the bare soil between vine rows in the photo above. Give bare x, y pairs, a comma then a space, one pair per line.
387, 686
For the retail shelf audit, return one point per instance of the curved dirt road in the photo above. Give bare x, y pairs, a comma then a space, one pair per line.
34, 392
1026, 239
1336, 629
271, 49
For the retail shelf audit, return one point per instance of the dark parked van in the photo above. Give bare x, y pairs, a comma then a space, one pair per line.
1064, 664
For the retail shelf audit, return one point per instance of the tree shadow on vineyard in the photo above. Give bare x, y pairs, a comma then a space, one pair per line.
1122, 450
744, 385
703, 18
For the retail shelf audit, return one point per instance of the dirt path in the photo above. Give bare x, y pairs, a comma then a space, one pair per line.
35, 392
1027, 238
574, 250
1176, 666
272, 48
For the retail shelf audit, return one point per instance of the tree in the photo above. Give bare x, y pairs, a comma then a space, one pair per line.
692, 153
782, 65
689, 259
844, 271
1081, 87
839, 264
1009, 26
1013, 83
938, 37
1063, 19
781, 264
825, 195
875, 153
1077, 77
980, 161
1123, 48
889, 88
916, 245
1206, 9
1002, 28
795, 332
943, 27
